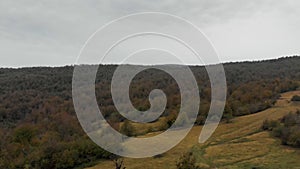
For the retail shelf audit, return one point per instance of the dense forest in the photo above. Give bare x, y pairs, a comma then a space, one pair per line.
39, 127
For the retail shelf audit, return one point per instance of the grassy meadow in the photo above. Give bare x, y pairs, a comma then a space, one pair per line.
238, 144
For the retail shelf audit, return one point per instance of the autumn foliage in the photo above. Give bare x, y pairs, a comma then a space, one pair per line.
39, 127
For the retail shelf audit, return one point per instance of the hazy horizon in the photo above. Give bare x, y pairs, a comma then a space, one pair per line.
134, 64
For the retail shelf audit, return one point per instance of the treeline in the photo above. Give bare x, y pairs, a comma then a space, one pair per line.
39, 127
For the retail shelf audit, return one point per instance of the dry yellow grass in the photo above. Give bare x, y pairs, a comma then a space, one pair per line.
240, 144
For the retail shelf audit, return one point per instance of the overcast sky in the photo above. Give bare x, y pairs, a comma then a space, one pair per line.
51, 33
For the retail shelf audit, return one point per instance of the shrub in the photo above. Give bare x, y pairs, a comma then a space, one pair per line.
228, 117
270, 125
284, 135
119, 163
290, 119
265, 125
278, 132
127, 129
187, 161
158, 156
296, 98
294, 137
200, 120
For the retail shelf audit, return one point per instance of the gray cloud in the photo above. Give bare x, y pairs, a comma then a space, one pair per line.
52, 32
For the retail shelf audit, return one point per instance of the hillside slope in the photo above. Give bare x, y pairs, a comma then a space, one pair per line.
240, 144
39, 127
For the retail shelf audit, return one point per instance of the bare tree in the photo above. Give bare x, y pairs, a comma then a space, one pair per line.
119, 162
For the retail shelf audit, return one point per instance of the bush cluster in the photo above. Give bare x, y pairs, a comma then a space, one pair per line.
287, 129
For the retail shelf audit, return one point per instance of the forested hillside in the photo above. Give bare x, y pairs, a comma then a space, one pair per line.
39, 127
